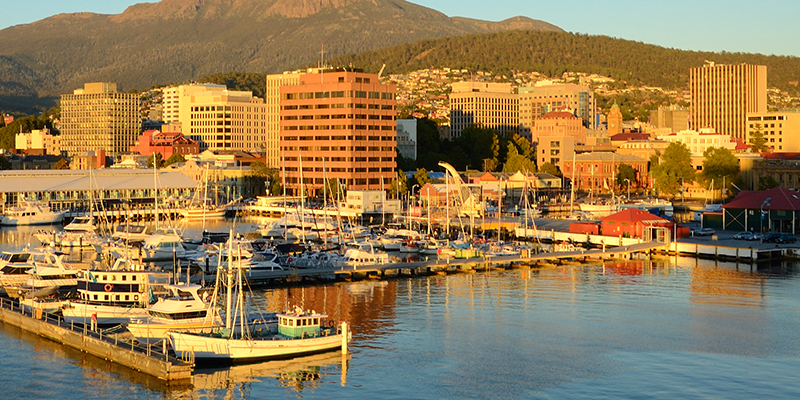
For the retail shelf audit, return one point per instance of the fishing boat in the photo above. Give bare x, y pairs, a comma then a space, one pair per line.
31, 213
299, 332
184, 309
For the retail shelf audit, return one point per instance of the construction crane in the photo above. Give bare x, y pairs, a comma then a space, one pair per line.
381, 71
466, 203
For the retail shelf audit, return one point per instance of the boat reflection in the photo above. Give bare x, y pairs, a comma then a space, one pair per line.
298, 374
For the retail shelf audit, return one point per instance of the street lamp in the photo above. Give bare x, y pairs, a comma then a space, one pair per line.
410, 196
629, 187
765, 203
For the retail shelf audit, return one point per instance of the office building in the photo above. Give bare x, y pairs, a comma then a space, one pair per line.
487, 105
781, 129
338, 124
407, 138
670, 119
544, 97
723, 95
98, 117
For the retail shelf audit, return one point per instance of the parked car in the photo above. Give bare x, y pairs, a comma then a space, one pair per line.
771, 237
705, 232
744, 236
786, 238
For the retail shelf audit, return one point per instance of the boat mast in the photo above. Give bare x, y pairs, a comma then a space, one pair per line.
230, 281
283, 176
572, 184
155, 186
302, 204
324, 203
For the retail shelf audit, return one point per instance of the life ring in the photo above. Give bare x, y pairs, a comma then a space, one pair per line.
330, 323
108, 287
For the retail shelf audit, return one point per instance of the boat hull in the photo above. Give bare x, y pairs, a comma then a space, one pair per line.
199, 347
80, 313
49, 218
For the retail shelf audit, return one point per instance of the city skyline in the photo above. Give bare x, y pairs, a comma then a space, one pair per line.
696, 25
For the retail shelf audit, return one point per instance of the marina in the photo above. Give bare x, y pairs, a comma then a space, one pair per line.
521, 245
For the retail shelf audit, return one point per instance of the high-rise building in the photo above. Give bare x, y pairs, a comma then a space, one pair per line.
488, 105
723, 95
175, 100
272, 98
97, 117
544, 97
338, 124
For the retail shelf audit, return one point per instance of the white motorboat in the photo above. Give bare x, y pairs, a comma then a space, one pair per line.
364, 255
49, 274
31, 213
184, 309
14, 267
84, 223
131, 233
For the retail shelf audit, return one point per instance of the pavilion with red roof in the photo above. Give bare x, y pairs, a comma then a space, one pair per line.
632, 222
773, 210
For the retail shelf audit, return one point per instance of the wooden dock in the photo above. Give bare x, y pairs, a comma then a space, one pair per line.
151, 360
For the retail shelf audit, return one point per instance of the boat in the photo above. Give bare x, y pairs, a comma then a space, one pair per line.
14, 267
163, 244
114, 296
299, 333
84, 223
184, 309
204, 211
31, 213
598, 210
363, 255
49, 275
131, 233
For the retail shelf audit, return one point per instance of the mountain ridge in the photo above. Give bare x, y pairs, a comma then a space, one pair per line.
180, 40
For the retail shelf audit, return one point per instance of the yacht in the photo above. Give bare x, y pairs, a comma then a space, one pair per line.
184, 309
14, 267
364, 255
113, 296
50, 274
31, 213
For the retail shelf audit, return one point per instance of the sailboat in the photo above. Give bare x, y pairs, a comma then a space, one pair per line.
299, 332
204, 209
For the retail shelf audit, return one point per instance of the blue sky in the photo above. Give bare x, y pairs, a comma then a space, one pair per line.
765, 26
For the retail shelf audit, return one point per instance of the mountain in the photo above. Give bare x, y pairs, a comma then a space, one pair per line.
553, 53
180, 40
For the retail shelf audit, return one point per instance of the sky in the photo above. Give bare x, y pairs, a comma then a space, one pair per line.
765, 26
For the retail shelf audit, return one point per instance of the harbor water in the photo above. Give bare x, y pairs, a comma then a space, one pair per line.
664, 329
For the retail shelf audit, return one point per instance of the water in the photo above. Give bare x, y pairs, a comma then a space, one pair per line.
665, 329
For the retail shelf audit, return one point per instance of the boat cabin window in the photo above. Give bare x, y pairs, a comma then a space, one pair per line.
127, 297
116, 298
105, 277
95, 297
133, 278
124, 277
106, 298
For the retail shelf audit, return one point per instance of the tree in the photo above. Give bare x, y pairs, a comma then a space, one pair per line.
271, 177
174, 158
4, 163
757, 141
674, 170
626, 175
159, 162
767, 182
517, 162
720, 165
550, 168
61, 164
422, 178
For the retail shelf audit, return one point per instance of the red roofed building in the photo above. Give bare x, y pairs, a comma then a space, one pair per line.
773, 210
166, 143
632, 223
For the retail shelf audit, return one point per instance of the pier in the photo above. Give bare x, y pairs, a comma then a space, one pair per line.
151, 360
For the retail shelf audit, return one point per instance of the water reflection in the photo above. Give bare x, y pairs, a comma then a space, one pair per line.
297, 376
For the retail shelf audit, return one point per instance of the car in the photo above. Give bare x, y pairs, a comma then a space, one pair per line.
705, 232
771, 237
786, 238
744, 236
